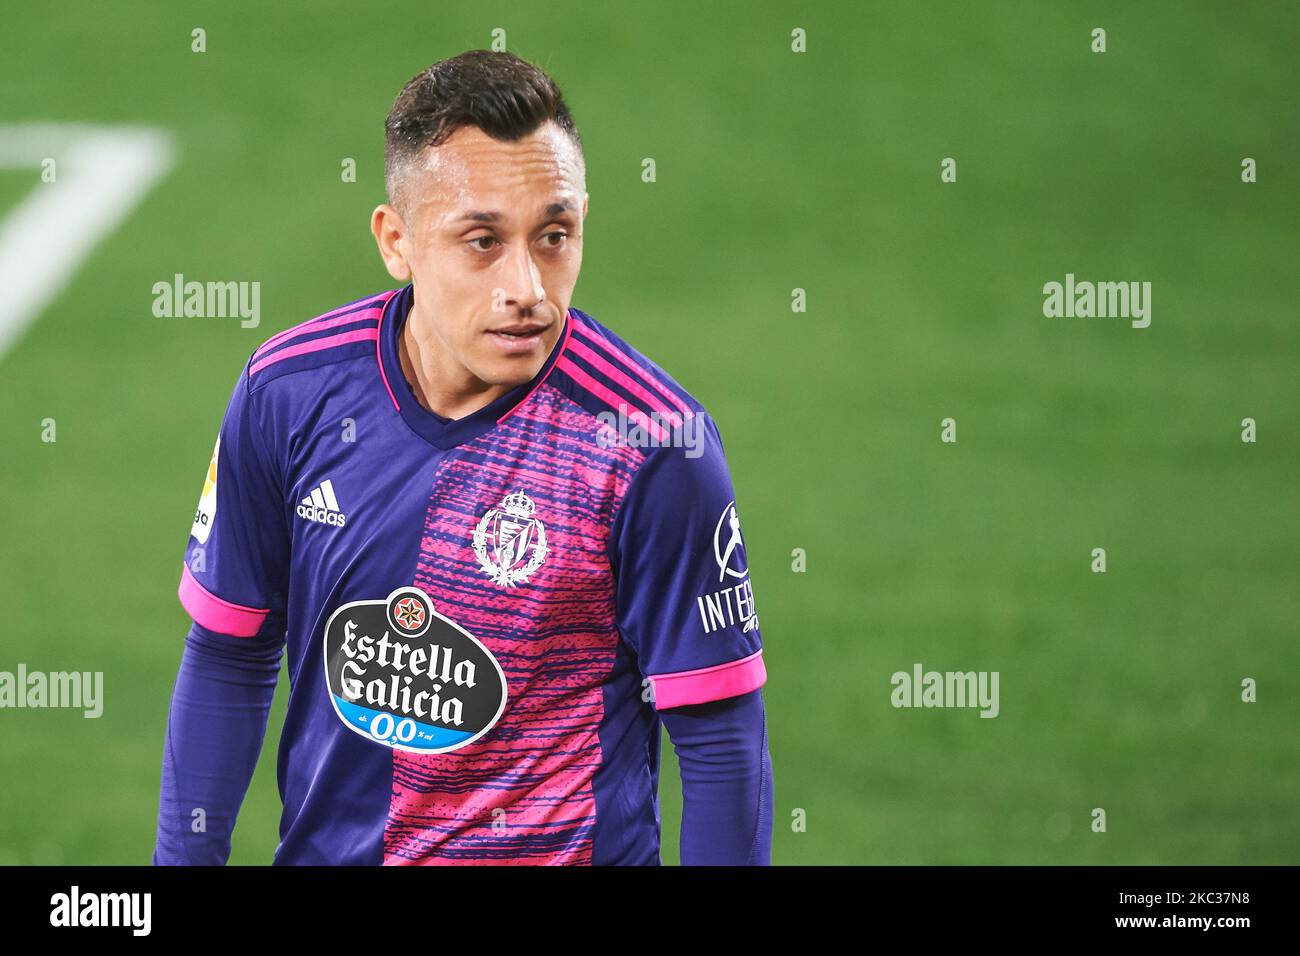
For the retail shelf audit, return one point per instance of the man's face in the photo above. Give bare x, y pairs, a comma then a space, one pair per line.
490, 233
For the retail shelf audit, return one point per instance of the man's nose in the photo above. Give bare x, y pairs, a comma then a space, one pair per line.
523, 281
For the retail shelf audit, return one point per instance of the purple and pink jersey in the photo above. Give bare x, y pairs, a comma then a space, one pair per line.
482, 616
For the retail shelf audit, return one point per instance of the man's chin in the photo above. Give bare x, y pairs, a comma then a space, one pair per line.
510, 373
512, 366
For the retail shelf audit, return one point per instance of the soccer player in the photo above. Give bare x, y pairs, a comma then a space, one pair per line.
498, 545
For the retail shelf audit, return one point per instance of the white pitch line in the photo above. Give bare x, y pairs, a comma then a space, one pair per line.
102, 172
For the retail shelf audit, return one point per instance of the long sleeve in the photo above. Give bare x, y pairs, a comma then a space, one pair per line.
215, 729
686, 610
234, 584
726, 773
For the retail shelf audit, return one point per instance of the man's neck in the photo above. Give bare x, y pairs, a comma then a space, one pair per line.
439, 384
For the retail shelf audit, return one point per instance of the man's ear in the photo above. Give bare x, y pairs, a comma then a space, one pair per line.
389, 229
585, 198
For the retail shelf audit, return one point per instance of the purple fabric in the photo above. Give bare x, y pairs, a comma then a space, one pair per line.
726, 773
218, 719
669, 594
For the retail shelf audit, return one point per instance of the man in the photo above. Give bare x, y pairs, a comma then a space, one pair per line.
490, 588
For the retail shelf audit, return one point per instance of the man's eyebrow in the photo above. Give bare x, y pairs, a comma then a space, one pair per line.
476, 215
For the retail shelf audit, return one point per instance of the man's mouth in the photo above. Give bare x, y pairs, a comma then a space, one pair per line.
520, 338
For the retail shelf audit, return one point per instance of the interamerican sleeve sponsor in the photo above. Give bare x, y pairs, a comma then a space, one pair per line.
728, 606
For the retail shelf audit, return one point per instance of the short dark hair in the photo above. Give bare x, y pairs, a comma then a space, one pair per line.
506, 97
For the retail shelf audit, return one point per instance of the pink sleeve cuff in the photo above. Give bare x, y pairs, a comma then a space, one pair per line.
211, 612
709, 683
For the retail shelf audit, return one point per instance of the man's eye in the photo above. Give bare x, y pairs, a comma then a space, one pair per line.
555, 245
483, 239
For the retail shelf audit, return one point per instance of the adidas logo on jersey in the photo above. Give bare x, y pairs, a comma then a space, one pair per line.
322, 507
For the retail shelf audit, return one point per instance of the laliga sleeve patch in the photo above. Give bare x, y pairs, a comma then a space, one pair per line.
207, 510
404, 676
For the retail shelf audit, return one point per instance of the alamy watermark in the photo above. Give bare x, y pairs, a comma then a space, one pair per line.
208, 300
1102, 300
70, 689
658, 429
75, 908
922, 688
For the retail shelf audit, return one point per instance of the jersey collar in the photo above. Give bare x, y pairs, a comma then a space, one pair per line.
438, 431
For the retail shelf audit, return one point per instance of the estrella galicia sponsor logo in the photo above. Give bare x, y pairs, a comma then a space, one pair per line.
404, 676
733, 602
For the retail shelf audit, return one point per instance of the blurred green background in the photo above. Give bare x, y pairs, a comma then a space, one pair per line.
776, 171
